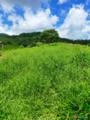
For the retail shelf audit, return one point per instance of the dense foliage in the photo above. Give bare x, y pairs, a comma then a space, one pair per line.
49, 36
50, 82
32, 39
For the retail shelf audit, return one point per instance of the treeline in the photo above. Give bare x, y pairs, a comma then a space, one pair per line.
35, 38
82, 42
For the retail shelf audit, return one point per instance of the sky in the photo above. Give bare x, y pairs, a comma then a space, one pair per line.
70, 18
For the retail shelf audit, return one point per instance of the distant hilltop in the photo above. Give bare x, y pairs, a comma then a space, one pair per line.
31, 39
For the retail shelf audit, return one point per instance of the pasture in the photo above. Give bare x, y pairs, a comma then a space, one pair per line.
47, 82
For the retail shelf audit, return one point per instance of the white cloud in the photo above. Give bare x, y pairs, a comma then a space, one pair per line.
7, 5
31, 22
76, 25
3, 28
62, 1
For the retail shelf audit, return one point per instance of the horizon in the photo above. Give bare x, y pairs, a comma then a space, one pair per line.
28, 33
71, 19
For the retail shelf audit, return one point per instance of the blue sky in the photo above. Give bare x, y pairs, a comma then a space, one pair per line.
71, 18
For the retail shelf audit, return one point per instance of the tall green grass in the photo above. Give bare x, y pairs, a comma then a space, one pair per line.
50, 82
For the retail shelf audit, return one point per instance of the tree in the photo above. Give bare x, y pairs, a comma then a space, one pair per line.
49, 36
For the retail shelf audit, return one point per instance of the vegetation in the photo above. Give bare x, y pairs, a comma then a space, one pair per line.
31, 39
49, 36
47, 82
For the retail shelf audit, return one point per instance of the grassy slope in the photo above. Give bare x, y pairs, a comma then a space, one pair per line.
45, 83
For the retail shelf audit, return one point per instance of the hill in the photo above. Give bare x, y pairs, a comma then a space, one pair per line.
49, 82
32, 39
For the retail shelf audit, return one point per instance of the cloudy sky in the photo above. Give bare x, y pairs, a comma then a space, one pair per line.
71, 18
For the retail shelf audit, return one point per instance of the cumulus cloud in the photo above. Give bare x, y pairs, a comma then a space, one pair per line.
7, 5
76, 25
30, 22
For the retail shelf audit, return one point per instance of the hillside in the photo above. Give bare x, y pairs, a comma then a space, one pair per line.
32, 39
49, 82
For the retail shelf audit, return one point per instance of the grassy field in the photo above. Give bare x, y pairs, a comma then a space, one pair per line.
49, 82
